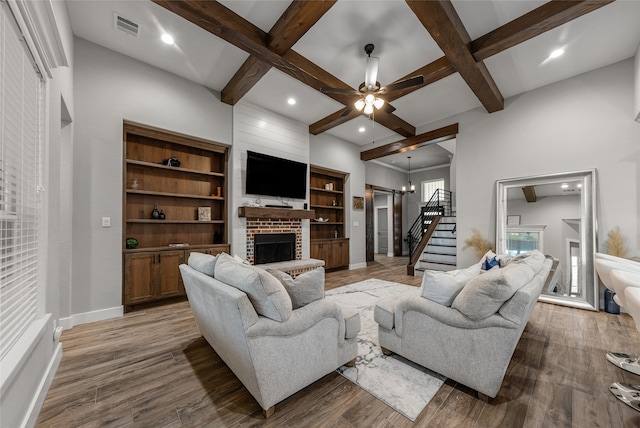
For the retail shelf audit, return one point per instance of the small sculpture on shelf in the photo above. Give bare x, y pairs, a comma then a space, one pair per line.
155, 214
162, 215
334, 203
172, 161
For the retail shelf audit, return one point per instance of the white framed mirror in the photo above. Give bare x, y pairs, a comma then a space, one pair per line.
555, 213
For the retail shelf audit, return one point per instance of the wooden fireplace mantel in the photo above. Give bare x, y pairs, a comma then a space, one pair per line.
264, 212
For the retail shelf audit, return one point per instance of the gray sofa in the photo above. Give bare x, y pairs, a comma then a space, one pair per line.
248, 318
472, 340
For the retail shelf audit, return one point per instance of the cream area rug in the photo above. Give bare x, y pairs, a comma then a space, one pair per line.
401, 384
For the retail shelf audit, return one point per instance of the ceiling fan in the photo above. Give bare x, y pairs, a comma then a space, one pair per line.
370, 94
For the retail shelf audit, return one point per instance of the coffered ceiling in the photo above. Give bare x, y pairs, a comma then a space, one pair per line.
471, 53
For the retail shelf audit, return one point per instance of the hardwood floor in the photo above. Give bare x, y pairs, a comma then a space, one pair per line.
153, 369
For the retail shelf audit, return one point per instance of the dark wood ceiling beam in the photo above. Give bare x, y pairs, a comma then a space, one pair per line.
432, 72
529, 193
544, 18
299, 17
394, 123
441, 20
436, 136
332, 121
232, 28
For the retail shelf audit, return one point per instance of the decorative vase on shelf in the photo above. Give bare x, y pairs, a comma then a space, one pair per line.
131, 243
162, 216
155, 214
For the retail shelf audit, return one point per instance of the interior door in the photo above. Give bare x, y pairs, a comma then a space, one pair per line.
383, 230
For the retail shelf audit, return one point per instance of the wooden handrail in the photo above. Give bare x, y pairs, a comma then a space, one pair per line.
423, 243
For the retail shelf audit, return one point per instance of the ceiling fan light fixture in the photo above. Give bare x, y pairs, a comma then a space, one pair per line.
369, 99
359, 105
368, 109
379, 102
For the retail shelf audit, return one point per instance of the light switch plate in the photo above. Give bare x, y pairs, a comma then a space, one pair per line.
106, 221
356, 223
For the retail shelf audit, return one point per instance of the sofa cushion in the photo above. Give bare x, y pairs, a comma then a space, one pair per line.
485, 294
305, 288
443, 287
204, 263
266, 293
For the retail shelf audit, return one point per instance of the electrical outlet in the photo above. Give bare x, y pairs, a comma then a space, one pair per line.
106, 221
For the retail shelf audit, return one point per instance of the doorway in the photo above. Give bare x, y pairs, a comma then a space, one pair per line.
382, 234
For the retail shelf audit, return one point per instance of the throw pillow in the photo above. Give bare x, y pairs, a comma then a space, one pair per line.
204, 263
266, 293
305, 288
485, 294
443, 287
490, 263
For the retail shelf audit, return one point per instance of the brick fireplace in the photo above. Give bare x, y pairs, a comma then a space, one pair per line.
273, 226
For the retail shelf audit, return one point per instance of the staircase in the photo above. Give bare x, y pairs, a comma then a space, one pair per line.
432, 237
440, 252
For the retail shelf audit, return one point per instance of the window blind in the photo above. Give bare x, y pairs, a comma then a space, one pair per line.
430, 187
21, 125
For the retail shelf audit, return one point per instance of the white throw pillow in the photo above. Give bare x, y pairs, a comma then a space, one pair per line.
201, 262
305, 288
266, 293
443, 287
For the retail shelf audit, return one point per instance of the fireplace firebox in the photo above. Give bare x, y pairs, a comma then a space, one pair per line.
274, 247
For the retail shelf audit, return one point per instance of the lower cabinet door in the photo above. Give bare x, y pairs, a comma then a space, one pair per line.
168, 280
139, 271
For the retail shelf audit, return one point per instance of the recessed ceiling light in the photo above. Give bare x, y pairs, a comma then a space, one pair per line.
291, 101
167, 38
556, 53
564, 186
361, 129
579, 185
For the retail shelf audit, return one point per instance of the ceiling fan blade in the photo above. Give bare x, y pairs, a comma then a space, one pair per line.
403, 84
339, 91
371, 72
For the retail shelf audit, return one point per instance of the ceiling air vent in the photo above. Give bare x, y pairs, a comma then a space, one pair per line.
125, 24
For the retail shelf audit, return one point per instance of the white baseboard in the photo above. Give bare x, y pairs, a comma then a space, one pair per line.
357, 266
93, 316
43, 388
389, 254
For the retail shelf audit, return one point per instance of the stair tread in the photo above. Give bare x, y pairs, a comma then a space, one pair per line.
438, 262
443, 245
438, 254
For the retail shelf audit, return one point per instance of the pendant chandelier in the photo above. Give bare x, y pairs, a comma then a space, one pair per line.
412, 187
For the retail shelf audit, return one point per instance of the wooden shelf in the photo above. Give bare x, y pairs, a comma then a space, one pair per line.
168, 248
324, 243
322, 189
173, 195
173, 168
327, 207
265, 212
151, 271
160, 222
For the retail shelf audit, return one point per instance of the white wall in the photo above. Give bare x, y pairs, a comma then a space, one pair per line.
109, 88
637, 84
580, 123
265, 132
331, 152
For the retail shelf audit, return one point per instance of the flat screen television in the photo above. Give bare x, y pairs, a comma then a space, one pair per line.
273, 176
